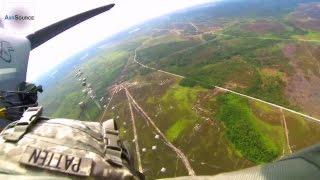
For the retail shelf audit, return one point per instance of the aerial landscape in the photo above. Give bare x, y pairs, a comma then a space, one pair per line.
214, 88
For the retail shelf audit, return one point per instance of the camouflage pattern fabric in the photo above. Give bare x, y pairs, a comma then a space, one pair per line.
63, 148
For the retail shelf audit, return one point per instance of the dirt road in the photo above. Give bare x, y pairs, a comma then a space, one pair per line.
179, 153
135, 136
286, 130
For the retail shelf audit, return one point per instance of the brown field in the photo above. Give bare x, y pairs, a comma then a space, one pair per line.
266, 113
302, 132
303, 87
264, 26
289, 50
307, 16
159, 32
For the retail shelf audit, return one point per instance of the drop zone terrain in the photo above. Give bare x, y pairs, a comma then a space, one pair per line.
165, 76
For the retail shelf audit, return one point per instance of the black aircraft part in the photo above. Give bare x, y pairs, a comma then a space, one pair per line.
43, 35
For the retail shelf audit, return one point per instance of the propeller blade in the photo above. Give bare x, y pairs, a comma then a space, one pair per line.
43, 35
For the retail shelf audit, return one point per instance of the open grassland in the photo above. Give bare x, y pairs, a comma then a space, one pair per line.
310, 35
265, 28
106, 68
158, 51
162, 39
183, 99
302, 132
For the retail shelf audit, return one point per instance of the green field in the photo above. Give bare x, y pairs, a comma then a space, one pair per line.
183, 99
245, 131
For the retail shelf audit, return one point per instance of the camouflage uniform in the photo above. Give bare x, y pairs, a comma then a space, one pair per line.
63, 148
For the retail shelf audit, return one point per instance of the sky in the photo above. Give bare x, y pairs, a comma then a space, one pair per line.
125, 14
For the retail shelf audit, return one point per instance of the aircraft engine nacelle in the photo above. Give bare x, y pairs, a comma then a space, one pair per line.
14, 55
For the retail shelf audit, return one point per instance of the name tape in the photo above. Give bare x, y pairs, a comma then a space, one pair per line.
46, 159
